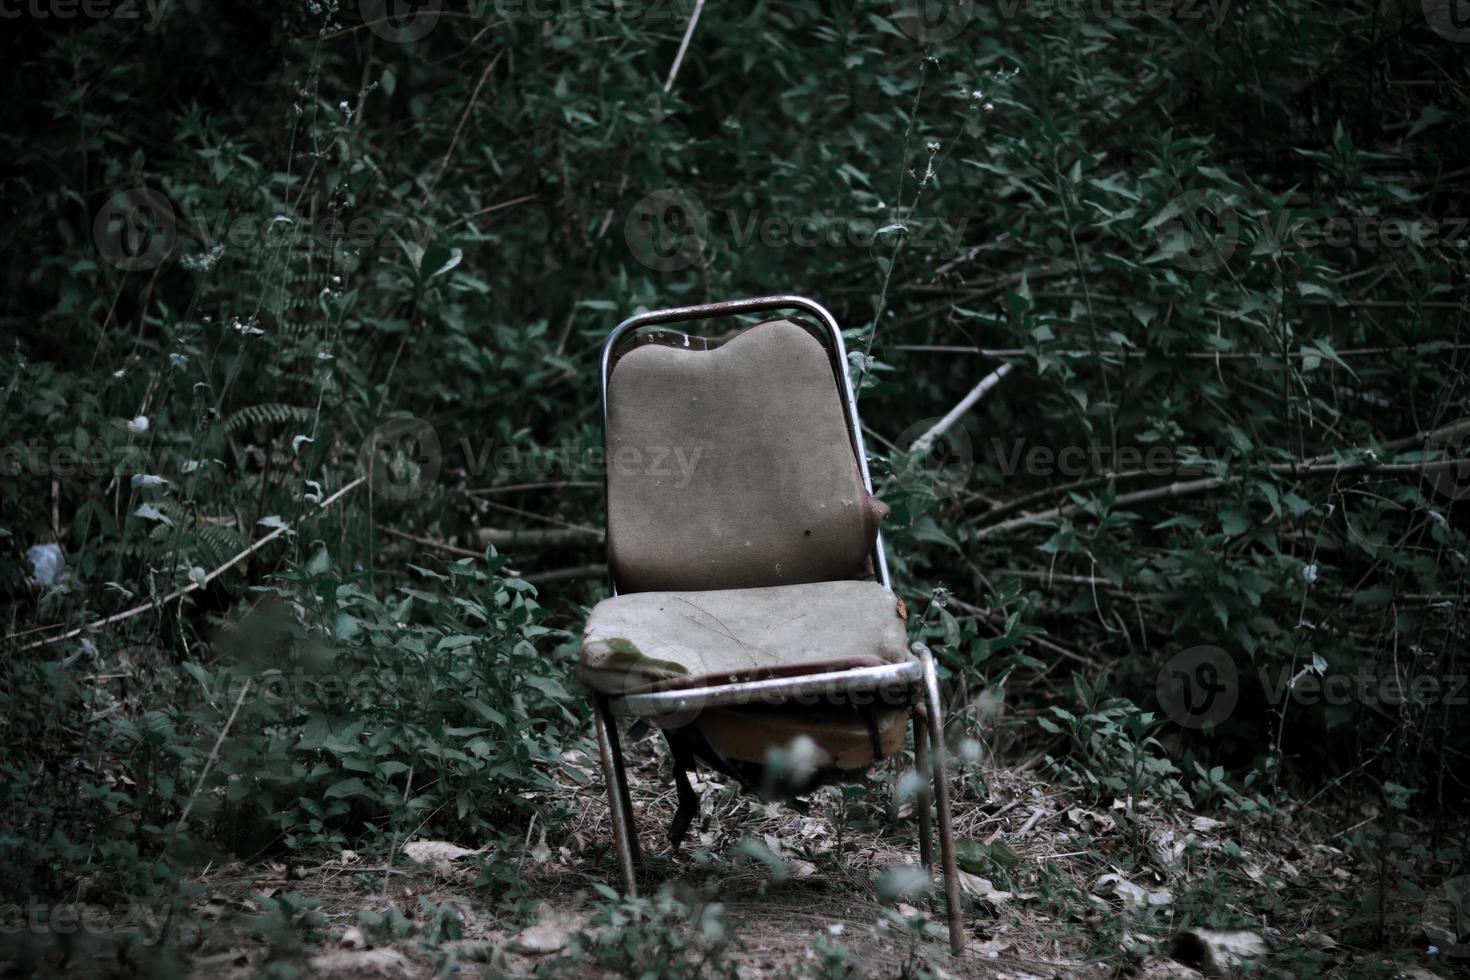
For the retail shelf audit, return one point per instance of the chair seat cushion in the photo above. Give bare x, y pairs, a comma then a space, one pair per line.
660, 640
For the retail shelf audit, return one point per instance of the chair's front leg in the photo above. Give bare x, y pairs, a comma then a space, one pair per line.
935, 724
921, 802
620, 807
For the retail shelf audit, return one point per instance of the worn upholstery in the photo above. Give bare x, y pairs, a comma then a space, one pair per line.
654, 640
844, 740
732, 467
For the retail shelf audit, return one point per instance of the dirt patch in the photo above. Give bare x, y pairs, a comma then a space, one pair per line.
1054, 888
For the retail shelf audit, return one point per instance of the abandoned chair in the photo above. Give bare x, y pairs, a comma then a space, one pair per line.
742, 534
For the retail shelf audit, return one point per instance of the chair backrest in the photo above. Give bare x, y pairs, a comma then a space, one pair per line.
730, 464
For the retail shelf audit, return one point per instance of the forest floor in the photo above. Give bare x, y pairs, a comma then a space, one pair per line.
1055, 889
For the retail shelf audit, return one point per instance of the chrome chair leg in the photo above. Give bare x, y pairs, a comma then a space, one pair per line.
921, 801
935, 724
620, 808
622, 773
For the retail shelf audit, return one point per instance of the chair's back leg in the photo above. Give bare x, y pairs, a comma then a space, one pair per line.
620, 807
683, 760
921, 804
935, 722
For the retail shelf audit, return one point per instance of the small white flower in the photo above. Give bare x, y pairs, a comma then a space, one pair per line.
147, 481
138, 425
204, 261
1309, 574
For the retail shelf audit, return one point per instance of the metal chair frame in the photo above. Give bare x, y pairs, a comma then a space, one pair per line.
914, 684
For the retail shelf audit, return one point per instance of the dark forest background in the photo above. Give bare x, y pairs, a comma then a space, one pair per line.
257, 252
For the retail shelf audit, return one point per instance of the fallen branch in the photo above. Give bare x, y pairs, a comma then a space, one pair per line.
683, 45
598, 570
444, 546
196, 585
1185, 488
1311, 467
464, 117
547, 538
1198, 355
926, 441
204, 773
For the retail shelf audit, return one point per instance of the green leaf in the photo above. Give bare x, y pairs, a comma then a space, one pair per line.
346, 788
320, 563
150, 513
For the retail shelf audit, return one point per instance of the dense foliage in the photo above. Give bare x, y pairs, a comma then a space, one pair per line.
1222, 248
